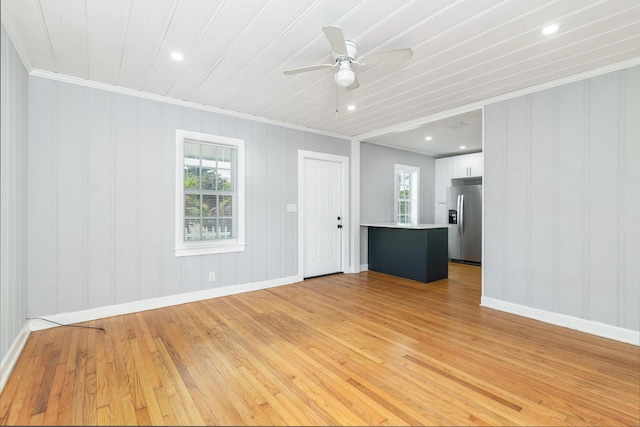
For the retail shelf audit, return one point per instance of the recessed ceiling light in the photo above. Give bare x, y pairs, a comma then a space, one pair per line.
177, 56
428, 138
351, 107
550, 29
462, 147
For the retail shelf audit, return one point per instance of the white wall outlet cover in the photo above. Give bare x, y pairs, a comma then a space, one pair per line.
212, 276
292, 207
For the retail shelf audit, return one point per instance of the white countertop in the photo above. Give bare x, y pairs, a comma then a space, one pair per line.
410, 226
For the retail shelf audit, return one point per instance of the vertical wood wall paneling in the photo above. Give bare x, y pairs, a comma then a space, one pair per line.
275, 203
84, 173
260, 200
376, 176
149, 168
103, 165
542, 256
125, 192
495, 196
135, 183
518, 202
288, 184
630, 201
70, 192
572, 203
170, 120
100, 200
377, 186
13, 202
620, 313
247, 259
566, 174
604, 135
41, 215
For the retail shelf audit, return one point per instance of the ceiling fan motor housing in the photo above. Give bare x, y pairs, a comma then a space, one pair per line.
352, 51
345, 76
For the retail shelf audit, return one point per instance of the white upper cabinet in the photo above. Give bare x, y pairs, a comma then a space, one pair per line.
448, 168
459, 166
467, 165
476, 164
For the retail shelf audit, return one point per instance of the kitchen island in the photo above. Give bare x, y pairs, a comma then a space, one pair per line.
418, 252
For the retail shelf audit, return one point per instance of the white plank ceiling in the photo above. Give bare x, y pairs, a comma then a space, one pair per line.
235, 52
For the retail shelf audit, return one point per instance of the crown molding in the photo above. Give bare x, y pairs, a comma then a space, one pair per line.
182, 103
412, 124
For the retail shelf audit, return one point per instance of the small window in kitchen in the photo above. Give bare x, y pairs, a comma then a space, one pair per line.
406, 194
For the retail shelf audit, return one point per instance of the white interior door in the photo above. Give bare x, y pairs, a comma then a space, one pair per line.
322, 217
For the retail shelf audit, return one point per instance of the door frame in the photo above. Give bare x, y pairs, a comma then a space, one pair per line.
344, 201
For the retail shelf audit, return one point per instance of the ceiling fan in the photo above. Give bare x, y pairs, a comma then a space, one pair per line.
345, 54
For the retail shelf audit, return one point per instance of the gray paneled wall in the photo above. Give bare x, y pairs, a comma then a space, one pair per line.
562, 200
13, 196
377, 186
101, 198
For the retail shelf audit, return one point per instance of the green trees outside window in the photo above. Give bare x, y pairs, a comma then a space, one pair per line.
208, 191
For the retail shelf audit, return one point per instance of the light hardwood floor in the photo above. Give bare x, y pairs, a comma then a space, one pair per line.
363, 349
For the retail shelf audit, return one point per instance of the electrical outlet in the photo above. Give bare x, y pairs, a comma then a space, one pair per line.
212, 276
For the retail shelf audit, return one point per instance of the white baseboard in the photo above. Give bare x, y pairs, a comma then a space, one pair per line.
364, 267
149, 304
9, 361
558, 319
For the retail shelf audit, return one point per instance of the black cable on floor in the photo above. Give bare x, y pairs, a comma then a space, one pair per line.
71, 326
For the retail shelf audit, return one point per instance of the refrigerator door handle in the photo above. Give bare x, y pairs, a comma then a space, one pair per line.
461, 215
458, 213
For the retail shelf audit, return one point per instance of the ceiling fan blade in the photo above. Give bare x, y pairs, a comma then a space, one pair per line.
387, 56
354, 85
336, 39
309, 68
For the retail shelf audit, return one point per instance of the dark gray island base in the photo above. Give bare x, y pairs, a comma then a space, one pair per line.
414, 252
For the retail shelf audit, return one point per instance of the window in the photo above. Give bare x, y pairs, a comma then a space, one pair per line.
406, 194
209, 194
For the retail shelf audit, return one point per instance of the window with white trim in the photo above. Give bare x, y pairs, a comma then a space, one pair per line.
406, 194
209, 194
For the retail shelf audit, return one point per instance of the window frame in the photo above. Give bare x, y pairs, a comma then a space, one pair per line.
205, 247
414, 189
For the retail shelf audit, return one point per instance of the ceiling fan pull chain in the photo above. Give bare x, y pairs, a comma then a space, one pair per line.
336, 102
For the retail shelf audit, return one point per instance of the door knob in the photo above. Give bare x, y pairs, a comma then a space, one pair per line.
339, 225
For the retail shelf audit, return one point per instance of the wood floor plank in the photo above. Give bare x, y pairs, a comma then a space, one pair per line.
65, 403
147, 381
31, 390
79, 410
53, 404
212, 401
46, 383
346, 349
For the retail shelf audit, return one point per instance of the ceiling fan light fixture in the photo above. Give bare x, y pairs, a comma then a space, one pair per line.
345, 77
344, 53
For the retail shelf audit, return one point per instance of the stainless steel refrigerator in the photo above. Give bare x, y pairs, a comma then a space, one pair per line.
464, 208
